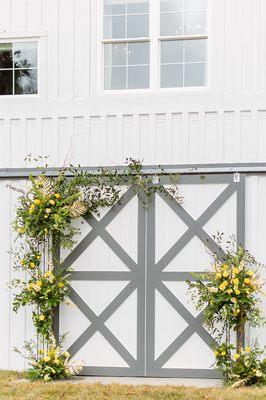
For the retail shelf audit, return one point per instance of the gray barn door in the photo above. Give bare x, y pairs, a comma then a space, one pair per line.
132, 316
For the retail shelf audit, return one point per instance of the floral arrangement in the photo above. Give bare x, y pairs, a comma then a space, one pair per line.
50, 364
246, 367
46, 209
229, 294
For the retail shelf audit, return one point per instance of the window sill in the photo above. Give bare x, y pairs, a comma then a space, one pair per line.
149, 92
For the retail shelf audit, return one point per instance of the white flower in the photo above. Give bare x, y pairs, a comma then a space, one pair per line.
212, 289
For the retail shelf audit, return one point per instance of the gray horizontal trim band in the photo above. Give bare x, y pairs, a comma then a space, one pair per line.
185, 373
112, 371
176, 276
103, 276
9, 173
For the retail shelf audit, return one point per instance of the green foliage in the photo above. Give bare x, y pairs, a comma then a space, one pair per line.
246, 368
51, 363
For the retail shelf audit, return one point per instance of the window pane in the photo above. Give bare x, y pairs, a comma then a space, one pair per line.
195, 5
25, 55
6, 85
26, 81
195, 23
137, 7
195, 50
6, 55
138, 53
114, 7
171, 5
172, 24
171, 76
137, 26
114, 78
115, 54
115, 27
172, 51
194, 75
138, 77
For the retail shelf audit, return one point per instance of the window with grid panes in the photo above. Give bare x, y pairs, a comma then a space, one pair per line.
179, 36
18, 68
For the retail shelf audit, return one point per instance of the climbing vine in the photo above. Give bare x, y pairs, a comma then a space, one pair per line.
229, 294
44, 215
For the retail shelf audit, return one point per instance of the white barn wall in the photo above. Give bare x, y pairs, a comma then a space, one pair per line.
180, 126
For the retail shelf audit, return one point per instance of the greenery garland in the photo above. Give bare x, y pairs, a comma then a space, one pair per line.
229, 296
43, 221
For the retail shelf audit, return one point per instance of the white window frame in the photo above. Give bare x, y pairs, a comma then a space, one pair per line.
24, 37
155, 40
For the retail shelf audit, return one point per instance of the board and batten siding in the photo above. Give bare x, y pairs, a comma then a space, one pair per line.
71, 120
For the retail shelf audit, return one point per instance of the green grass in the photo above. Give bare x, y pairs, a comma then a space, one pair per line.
12, 388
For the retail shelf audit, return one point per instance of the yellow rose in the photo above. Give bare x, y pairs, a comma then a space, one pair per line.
52, 202
235, 271
41, 317
46, 359
247, 281
225, 274
222, 287
56, 361
223, 353
39, 283
57, 196
47, 274
37, 202
236, 281
236, 356
225, 266
218, 275
248, 349
38, 257
61, 284
237, 292
66, 354
216, 353
250, 273
32, 265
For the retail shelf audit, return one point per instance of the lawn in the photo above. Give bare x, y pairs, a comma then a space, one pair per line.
11, 388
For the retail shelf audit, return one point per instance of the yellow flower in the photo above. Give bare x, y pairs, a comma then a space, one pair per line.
237, 292
38, 257
218, 275
32, 265
216, 353
250, 273
39, 283
66, 354
46, 359
236, 281
21, 230
247, 281
41, 317
48, 210
37, 202
223, 353
235, 271
56, 361
52, 202
47, 274
230, 291
236, 356
223, 285
225, 266
248, 349
61, 284
57, 195
225, 274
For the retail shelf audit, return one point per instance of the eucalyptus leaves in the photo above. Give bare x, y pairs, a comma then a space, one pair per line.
43, 222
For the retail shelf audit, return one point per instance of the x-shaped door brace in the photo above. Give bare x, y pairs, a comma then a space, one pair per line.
195, 228
97, 322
